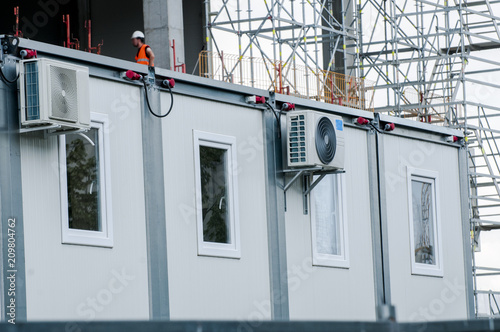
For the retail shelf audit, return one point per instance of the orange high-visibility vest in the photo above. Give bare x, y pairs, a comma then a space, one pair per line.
141, 56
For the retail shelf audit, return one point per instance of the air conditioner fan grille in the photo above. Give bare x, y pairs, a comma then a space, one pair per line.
325, 140
64, 94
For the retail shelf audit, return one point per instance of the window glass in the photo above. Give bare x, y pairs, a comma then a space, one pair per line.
327, 216
83, 183
216, 227
424, 228
329, 222
423, 222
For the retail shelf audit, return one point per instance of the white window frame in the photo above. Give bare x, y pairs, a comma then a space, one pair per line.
432, 178
228, 143
327, 260
103, 238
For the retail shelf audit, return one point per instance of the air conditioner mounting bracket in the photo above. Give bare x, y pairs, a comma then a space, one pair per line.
307, 176
51, 130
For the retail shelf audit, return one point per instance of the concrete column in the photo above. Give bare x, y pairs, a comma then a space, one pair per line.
194, 33
337, 7
163, 23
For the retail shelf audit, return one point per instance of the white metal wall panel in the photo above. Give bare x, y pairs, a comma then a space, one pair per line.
424, 298
210, 287
328, 293
73, 282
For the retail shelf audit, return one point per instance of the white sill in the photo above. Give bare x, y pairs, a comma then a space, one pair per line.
86, 238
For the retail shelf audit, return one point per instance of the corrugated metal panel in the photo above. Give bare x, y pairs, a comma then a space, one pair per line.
62, 278
416, 297
209, 287
327, 293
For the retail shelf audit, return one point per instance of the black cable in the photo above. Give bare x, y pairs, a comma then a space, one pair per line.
149, 105
278, 119
378, 130
6, 79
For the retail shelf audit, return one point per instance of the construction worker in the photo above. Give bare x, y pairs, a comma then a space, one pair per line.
145, 55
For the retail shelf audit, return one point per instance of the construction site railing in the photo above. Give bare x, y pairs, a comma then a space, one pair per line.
488, 304
430, 107
299, 81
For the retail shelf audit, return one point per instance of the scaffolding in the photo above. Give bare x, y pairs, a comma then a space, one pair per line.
325, 86
431, 61
295, 47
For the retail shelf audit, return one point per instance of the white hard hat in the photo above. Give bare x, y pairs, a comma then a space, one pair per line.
137, 34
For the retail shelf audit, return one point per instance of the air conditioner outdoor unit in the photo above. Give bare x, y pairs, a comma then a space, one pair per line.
54, 93
315, 139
